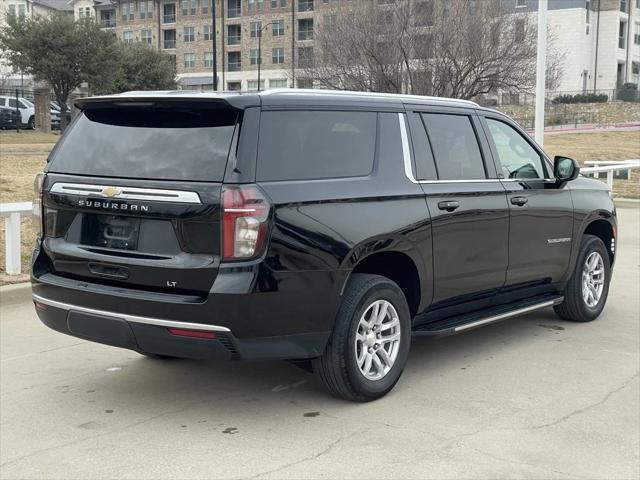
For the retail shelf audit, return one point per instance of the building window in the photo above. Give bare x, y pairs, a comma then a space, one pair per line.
234, 34
234, 86
189, 60
252, 85
278, 83
255, 5
624, 6
636, 34
128, 11
189, 7
207, 32
277, 55
145, 36
278, 3
305, 82
234, 8
145, 9
277, 29
305, 5
635, 73
127, 37
189, 34
208, 59
521, 3
254, 58
205, 7
169, 38
305, 57
234, 61
305, 29
622, 29
330, 22
169, 13
256, 29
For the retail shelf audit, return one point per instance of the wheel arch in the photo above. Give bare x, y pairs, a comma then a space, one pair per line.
605, 231
399, 266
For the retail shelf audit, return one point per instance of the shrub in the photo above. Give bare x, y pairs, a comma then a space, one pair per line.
628, 93
581, 98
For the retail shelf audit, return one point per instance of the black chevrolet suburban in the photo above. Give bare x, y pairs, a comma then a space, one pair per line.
326, 228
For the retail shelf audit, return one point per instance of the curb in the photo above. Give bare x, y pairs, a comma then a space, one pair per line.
627, 202
13, 294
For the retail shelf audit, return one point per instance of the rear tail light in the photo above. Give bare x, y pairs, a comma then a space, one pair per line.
245, 214
37, 203
187, 332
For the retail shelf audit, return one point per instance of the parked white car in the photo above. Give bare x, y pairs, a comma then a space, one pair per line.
27, 111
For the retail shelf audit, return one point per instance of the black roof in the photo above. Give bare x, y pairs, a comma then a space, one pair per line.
281, 97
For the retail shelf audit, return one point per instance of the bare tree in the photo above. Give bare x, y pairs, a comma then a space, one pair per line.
453, 48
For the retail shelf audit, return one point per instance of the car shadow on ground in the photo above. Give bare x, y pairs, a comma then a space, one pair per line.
135, 382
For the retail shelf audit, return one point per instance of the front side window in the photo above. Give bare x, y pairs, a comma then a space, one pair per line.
455, 147
315, 145
518, 159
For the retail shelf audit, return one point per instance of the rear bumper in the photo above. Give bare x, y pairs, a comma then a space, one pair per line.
153, 335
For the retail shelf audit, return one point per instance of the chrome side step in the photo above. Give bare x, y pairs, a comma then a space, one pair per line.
450, 326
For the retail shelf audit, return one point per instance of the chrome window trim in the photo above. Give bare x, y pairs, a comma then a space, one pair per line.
127, 193
408, 168
130, 318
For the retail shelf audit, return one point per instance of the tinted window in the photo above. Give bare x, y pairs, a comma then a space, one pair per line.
455, 147
318, 144
155, 143
517, 157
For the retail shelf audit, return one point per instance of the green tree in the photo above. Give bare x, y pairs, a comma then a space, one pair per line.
139, 67
60, 51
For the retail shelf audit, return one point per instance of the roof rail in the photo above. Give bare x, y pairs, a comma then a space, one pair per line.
398, 96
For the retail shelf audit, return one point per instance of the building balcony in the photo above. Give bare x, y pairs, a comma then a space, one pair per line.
108, 22
168, 44
169, 18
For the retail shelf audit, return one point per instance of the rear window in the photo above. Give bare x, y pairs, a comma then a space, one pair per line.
296, 145
148, 143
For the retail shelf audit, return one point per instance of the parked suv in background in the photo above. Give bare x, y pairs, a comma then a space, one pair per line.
318, 227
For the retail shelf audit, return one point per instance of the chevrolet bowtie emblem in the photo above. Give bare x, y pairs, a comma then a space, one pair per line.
111, 191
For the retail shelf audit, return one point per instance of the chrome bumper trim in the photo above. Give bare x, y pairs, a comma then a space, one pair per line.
130, 318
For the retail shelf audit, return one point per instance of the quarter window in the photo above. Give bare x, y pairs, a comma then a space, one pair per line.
518, 159
313, 145
455, 147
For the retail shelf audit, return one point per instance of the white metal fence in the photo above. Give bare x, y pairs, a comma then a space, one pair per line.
12, 212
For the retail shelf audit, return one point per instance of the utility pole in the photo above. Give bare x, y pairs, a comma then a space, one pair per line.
215, 45
541, 62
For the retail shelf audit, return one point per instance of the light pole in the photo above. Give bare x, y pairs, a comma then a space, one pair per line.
215, 45
260, 49
541, 61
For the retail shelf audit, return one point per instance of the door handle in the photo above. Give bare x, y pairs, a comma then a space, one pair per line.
449, 205
520, 201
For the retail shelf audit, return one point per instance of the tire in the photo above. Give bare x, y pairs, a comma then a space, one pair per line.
576, 307
338, 369
31, 124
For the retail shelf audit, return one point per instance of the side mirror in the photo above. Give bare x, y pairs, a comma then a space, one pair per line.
565, 169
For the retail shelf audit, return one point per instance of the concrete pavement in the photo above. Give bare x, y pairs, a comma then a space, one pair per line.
533, 397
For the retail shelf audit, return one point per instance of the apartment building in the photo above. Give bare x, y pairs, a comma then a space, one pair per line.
601, 39
283, 29
26, 8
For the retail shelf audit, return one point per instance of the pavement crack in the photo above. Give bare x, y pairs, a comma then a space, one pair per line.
586, 408
315, 456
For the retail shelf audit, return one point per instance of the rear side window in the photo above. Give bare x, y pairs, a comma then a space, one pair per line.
304, 145
172, 143
455, 147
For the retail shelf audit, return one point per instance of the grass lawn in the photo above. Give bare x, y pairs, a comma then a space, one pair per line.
24, 154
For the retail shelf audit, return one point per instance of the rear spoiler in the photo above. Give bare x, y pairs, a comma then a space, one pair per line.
196, 100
